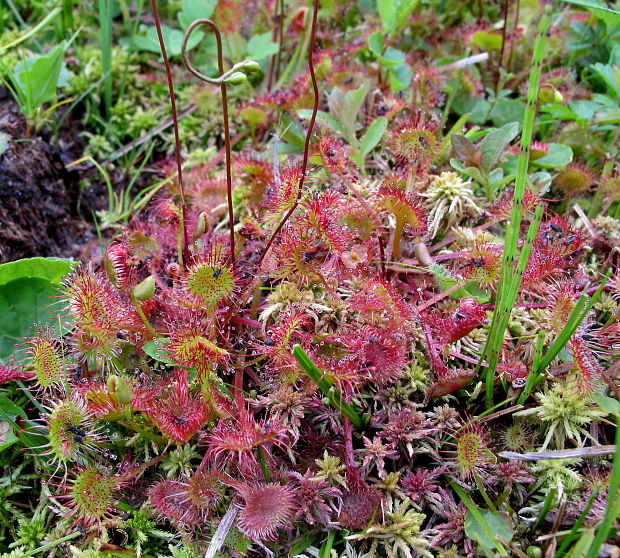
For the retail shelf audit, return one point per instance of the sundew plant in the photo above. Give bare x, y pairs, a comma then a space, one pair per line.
365, 305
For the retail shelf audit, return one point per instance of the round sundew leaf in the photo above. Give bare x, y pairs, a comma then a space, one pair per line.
211, 283
93, 495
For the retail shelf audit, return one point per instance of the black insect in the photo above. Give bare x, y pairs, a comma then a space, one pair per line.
555, 227
82, 530
476, 262
79, 434
217, 272
269, 342
179, 421
77, 374
309, 256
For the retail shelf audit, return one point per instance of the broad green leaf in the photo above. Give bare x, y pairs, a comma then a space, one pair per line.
466, 150
474, 173
346, 106
583, 109
195, 9
37, 78
9, 410
261, 46
499, 524
373, 135
375, 43
608, 404
173, 39
387, 13
293, 133
494, 144
477, 107
46, 268
7, 436
506, 111
600, 9
391, 57
558, 156
446, 281
610, 74
403, 11
400, 78
25, 302
323, 117
486, 40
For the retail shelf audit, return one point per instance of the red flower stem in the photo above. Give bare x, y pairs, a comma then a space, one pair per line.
304, 165
177, 142
220, 67
501, 52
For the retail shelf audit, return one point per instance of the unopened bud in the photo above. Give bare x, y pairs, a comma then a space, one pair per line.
146, 289
249, 66
236, 78
549, 94
202, 224
120, 389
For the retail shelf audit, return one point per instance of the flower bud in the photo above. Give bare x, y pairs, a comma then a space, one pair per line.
202, 223
549, 94
146, 289
249, 66
120, 389
236, 78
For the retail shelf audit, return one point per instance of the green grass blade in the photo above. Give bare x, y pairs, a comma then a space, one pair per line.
613, 501
479, 517
572, 324
549, 499
508, 282
574, 532
326, 385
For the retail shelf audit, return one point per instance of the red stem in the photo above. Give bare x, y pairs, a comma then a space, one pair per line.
501, 53
220, 66
304, 165
175, 125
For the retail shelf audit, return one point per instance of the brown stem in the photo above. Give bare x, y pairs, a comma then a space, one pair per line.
501, 52
280, 40
175, 125
304, 165
220, 67
514, 35
278, 20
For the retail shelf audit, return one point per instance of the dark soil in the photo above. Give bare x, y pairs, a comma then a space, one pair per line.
41, 213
